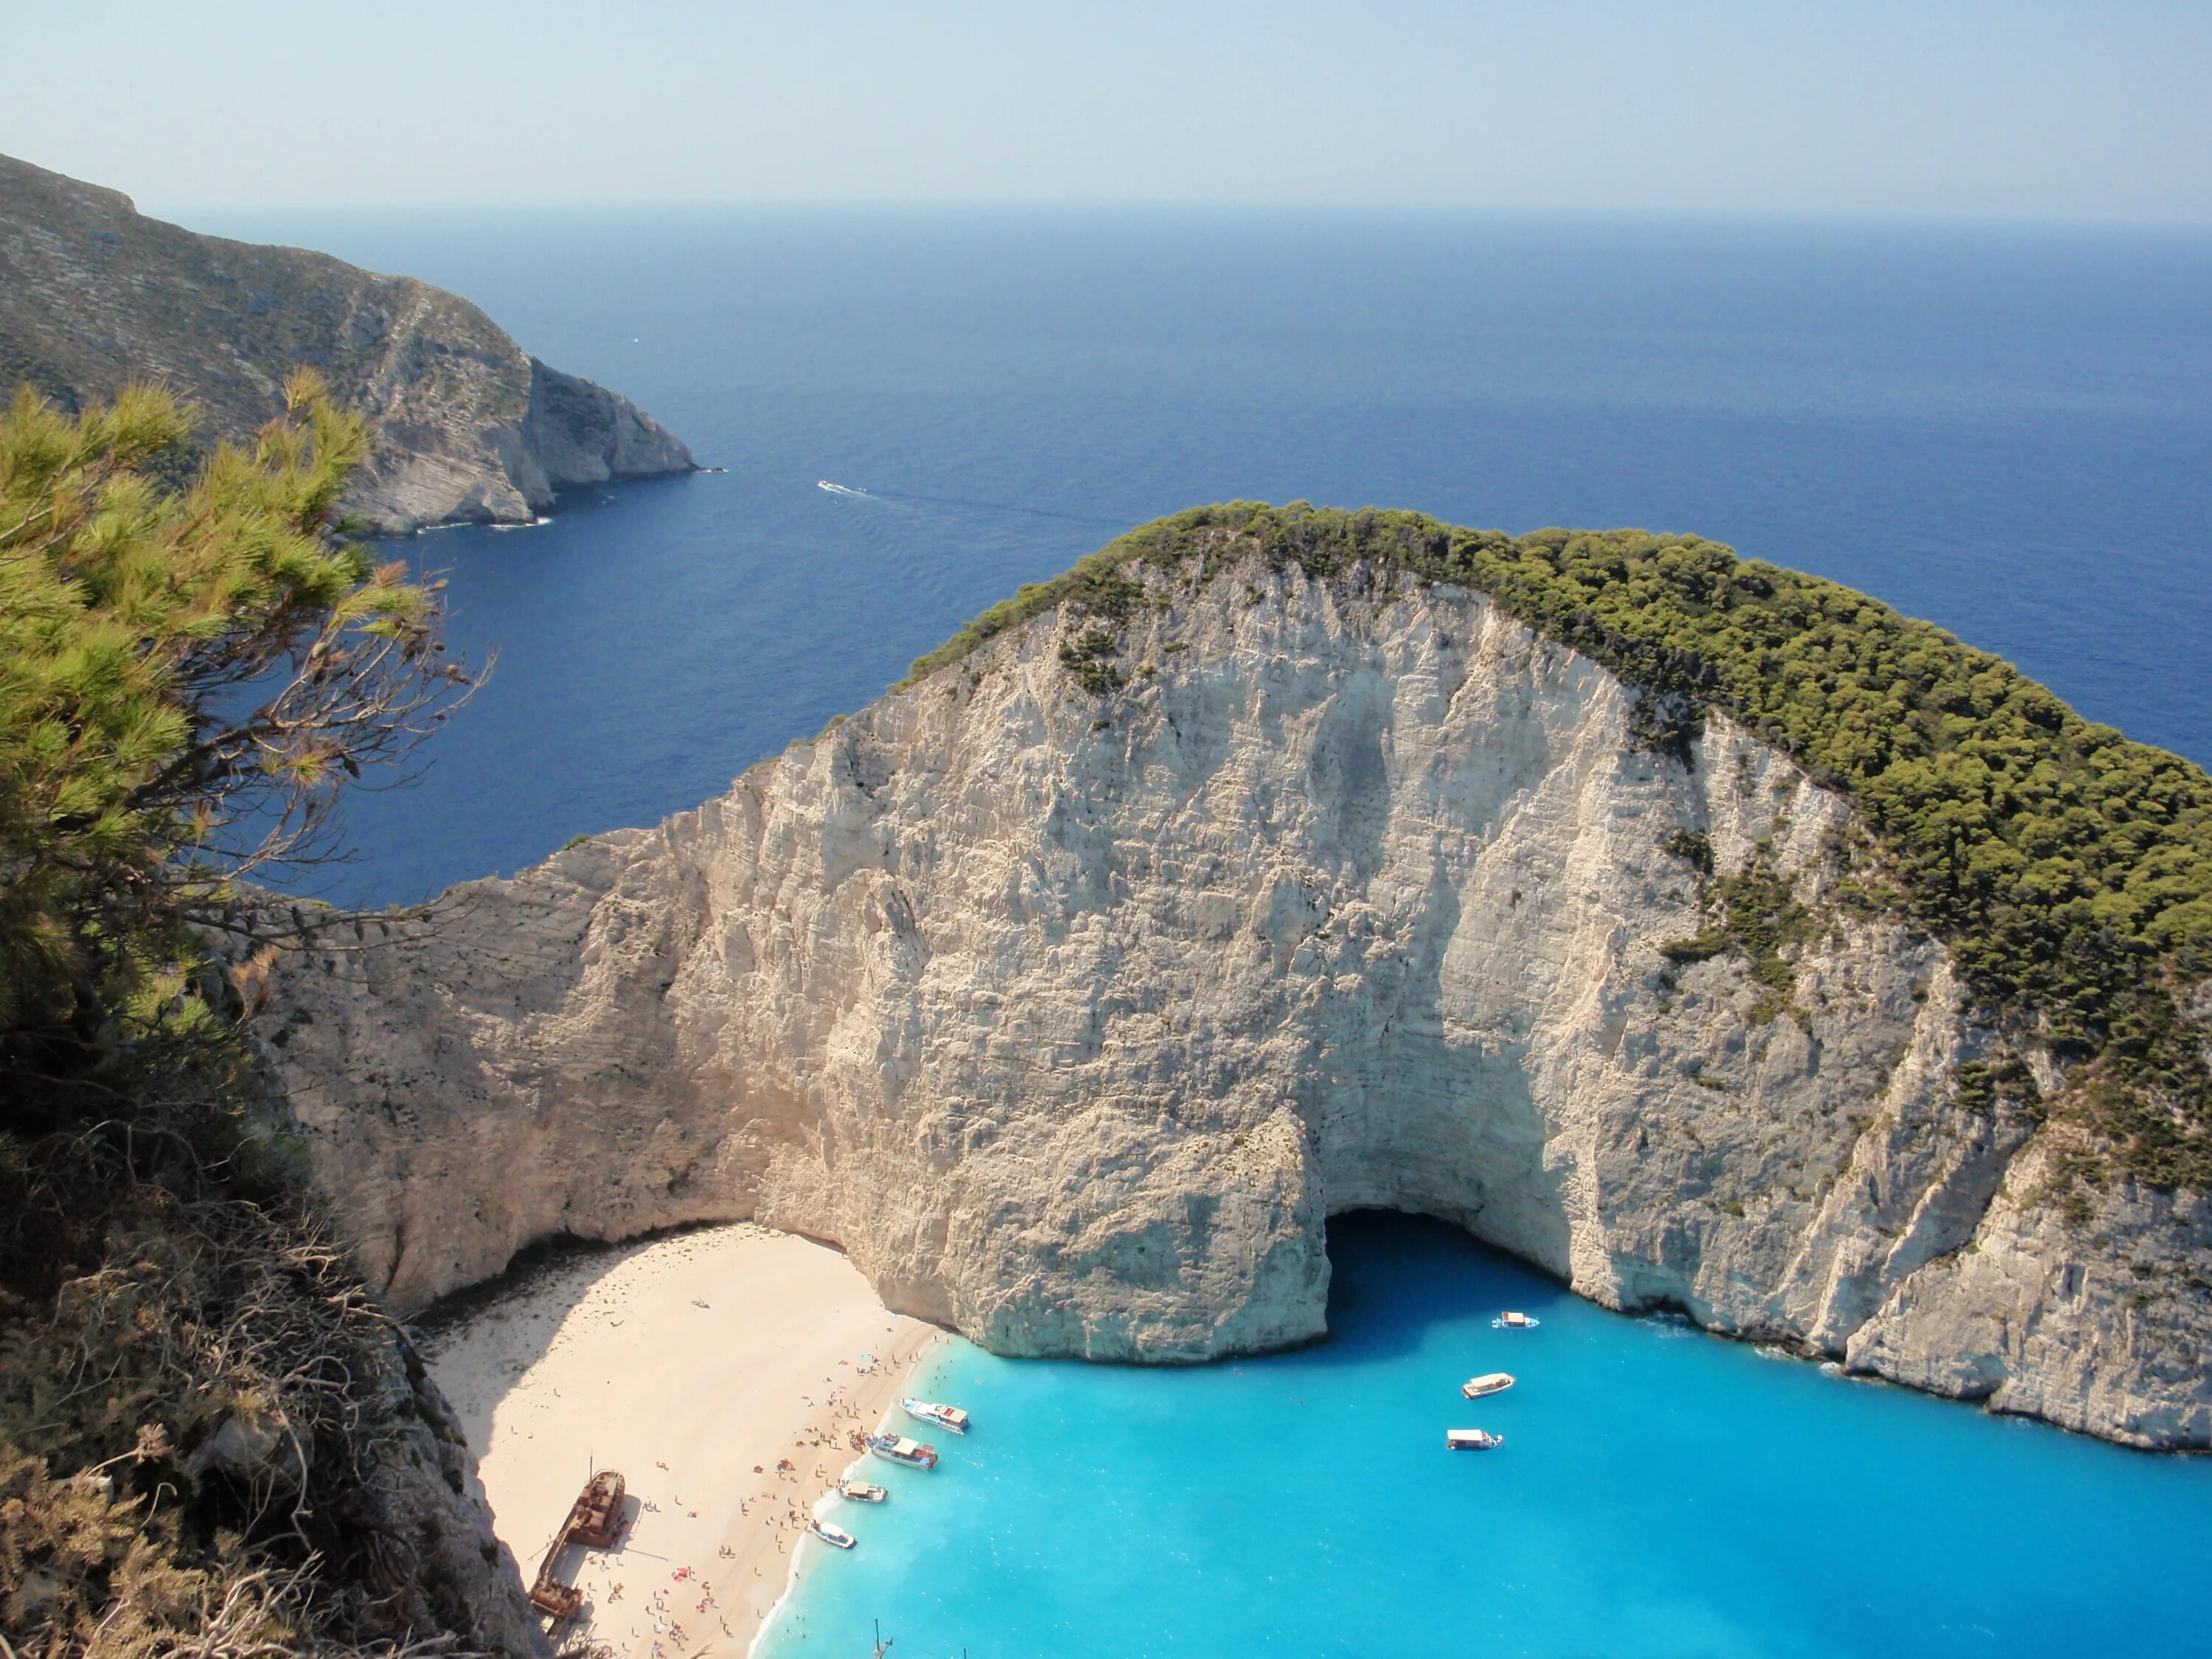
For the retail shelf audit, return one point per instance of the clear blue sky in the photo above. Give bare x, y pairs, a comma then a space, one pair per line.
1942, 106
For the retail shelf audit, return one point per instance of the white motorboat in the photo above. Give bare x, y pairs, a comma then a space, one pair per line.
861, 1491
898, 1448
831, 1533
928, 1411
1490, 1383
1515, 1322
1472, 1440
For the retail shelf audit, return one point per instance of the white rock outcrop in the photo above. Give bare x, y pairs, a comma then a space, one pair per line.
1072, 1018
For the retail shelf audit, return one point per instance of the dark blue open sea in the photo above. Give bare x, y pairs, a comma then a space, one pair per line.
2005, 429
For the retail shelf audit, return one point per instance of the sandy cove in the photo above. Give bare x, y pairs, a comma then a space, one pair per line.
698, 1364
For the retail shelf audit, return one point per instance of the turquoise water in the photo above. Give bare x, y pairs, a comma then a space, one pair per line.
1660, 1493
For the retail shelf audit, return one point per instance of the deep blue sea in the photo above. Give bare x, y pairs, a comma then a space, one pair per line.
2005, 429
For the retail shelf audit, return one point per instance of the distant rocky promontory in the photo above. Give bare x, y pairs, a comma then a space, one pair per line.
469, 427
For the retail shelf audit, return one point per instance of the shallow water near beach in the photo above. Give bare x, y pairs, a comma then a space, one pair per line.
1660, 1492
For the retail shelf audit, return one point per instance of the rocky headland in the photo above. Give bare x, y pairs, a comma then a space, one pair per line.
1072, 985
469, 427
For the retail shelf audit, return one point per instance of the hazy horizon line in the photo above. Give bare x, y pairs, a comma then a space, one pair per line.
1246, 206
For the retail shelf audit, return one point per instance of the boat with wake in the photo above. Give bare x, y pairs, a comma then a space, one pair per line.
1510, 1321
898, 1448
831, 1534
1489, 1382
1472, 1440
928, 1411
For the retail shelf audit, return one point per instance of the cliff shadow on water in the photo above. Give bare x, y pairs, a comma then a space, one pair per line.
1396, 1278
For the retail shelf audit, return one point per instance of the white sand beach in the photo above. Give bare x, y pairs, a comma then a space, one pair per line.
722, 1371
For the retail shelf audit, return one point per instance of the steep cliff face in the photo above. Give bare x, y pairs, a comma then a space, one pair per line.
94, 296
289, 1477
441, 1565
1072, 1018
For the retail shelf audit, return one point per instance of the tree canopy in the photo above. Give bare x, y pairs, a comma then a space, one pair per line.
191, 671
187, 679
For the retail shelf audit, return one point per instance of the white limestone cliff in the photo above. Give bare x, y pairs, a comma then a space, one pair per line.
1074, 1017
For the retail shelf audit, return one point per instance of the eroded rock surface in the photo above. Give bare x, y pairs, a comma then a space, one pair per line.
1072, 1018
94, 296
453, 1573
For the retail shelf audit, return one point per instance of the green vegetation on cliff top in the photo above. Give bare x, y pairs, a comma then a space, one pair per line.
2068, 870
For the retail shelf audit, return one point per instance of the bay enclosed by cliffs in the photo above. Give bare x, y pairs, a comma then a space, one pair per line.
1914, 448
1270, 865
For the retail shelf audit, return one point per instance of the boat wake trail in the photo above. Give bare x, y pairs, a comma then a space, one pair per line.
912, 503
967, 506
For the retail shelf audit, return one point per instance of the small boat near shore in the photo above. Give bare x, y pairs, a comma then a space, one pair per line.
1490, 1383
898, 1448
831, 1534
1472, 1440
861, 1491
1509, 1320
928, 1411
